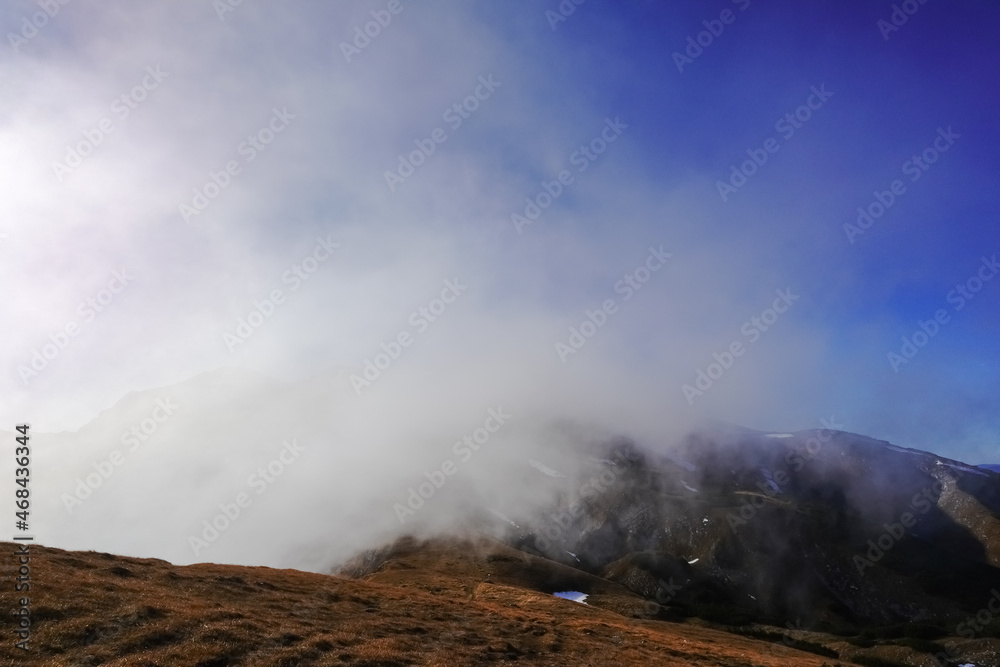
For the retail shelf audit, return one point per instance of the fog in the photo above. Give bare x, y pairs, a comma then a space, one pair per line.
233, 248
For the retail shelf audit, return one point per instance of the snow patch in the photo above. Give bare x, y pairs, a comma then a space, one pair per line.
689, 487
503, 518
973, 469
894, 448
778, 435
692, 562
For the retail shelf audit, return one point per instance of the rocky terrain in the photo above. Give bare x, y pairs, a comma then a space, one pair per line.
818, 525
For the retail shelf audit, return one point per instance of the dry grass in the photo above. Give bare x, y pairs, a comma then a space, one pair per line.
444, 606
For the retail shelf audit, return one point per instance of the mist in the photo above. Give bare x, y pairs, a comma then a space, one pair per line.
350, 259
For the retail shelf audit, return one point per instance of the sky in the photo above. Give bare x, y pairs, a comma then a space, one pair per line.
642, 214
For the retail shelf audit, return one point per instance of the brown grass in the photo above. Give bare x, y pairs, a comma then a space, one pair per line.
426, 607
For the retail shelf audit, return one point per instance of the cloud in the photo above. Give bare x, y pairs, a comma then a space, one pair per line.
204, 135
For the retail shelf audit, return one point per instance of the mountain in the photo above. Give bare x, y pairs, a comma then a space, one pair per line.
733, 547
819, 529
169, 456
840, 544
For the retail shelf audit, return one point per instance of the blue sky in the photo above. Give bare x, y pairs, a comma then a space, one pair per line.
656, 184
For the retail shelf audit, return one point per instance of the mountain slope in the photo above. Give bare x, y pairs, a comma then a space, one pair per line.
451, 603
816, 527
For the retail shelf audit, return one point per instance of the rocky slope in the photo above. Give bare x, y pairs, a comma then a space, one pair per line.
818, 529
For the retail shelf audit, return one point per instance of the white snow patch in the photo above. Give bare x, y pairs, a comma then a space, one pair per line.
692, 562
974, 470
689, 487
575, 596
705, 520
894, 448
544, 468
778, 435
503, 518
